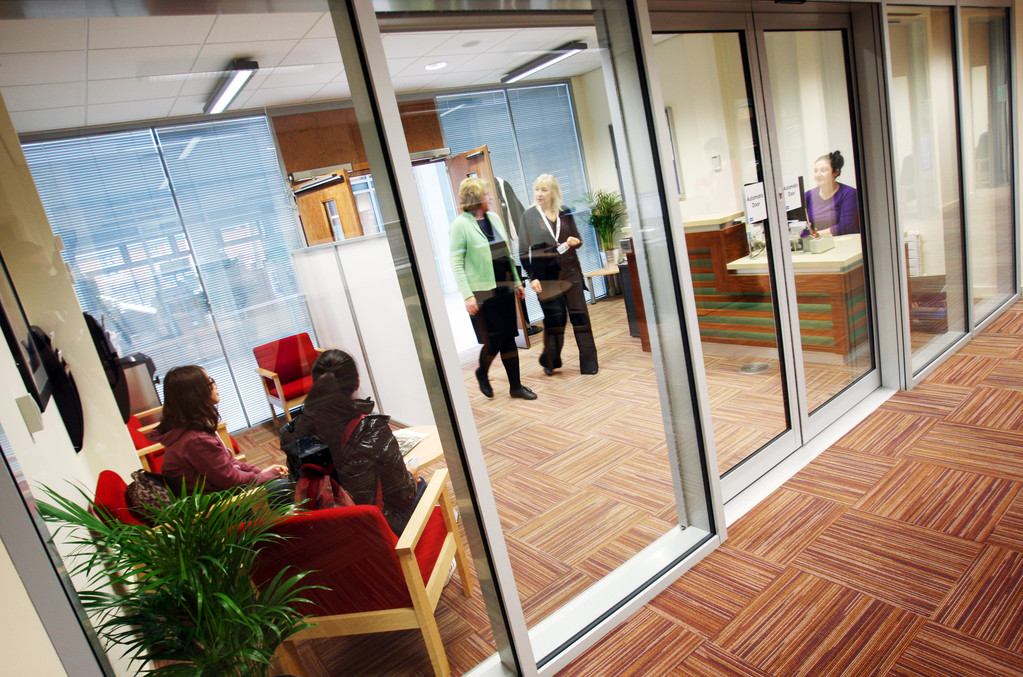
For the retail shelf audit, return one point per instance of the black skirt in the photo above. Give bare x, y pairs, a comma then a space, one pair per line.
496, 321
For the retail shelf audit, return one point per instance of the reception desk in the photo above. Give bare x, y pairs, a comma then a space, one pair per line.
733, 291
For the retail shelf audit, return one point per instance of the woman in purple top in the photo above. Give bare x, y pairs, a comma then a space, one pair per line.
832, 206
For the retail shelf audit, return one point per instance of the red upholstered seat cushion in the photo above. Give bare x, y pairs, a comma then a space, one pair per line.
351, 551
292, 389
110, 499
291, 358
137, 437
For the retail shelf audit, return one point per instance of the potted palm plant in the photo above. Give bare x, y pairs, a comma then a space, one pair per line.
607, 215
179, 595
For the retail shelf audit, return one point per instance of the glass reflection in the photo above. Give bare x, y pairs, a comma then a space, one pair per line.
717, 158
987, 160
811, 103
927, 176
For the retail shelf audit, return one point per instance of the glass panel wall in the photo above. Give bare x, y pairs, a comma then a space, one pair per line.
927, 176
810, 90
987, 157
570, 419
711, 108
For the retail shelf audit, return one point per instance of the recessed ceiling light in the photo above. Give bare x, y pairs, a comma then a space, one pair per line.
471, 43
436, 66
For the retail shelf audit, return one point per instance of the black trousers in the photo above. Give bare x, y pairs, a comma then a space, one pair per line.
558, 311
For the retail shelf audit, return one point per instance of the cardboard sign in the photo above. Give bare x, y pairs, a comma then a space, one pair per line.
756, 202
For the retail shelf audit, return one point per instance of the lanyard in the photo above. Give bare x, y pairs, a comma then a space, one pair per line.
550, 229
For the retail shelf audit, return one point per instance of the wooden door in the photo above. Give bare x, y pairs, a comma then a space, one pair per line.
328, 209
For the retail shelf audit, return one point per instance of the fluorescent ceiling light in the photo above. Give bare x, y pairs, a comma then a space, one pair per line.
436, 66
550, 58
237, 74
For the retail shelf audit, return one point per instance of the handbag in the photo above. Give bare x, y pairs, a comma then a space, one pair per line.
317, 489
146, 495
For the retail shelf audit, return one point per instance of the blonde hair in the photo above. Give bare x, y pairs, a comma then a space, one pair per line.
472, 193
550, 183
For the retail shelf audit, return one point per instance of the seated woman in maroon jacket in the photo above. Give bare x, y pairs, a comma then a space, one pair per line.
832, 206
188, 431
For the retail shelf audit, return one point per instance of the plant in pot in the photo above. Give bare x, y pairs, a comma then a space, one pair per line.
179, 594
607, 215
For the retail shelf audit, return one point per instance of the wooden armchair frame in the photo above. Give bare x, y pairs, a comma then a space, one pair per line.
145, 452
424, 594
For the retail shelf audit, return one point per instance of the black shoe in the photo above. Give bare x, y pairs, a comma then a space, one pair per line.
591, 370
533, 330
523, 393
484, 384
548, 371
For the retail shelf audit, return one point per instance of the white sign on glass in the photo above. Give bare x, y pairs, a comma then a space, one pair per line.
756, 202
793, 200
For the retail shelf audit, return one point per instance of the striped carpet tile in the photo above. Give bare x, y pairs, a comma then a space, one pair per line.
641, 480
987, 603
1008, 374
805, 625
927, 399
1008, 533
710, 660
992, 345
990, 408
840, 476
909, 567
953, 502
574, 528
1010, 322
885, 433
992, 452
647, 644
586, 461
535, 571
526, 493
964, 370
937, 651
782, 525
709, 595
616, 551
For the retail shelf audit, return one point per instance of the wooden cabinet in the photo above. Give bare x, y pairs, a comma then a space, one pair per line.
328, 209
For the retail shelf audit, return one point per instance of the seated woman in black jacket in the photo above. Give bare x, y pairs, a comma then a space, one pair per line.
367, 461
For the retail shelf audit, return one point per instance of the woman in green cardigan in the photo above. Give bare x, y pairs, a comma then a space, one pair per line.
489, 282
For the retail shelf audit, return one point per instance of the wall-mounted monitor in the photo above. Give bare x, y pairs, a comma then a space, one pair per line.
21, 342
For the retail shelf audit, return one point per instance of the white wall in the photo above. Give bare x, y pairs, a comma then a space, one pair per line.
42, 282
24, 644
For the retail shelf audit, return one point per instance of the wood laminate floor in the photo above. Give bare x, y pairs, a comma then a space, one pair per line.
898, 551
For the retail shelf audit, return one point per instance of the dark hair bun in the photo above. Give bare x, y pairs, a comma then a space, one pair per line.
837, 161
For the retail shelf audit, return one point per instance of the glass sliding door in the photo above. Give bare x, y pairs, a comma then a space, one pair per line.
927, 176
777, 242
987, 158
717, 145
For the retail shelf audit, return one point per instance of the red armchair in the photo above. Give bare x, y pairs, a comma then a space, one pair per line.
110, 500
371, 581
285, 368
151, 454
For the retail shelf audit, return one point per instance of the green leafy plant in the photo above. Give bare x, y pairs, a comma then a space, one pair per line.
181, 592
607, 214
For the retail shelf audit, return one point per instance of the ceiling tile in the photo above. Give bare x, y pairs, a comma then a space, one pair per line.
334, 90
302, 75
148, 31
259, 27
138, 62
414, 83
49, 119
318, 50
41, 68
132, 89
41, 35
413, 45
418, 66
323, 28
485, 40
188, 105
267, 53
110, 113
279, 96
33, 97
